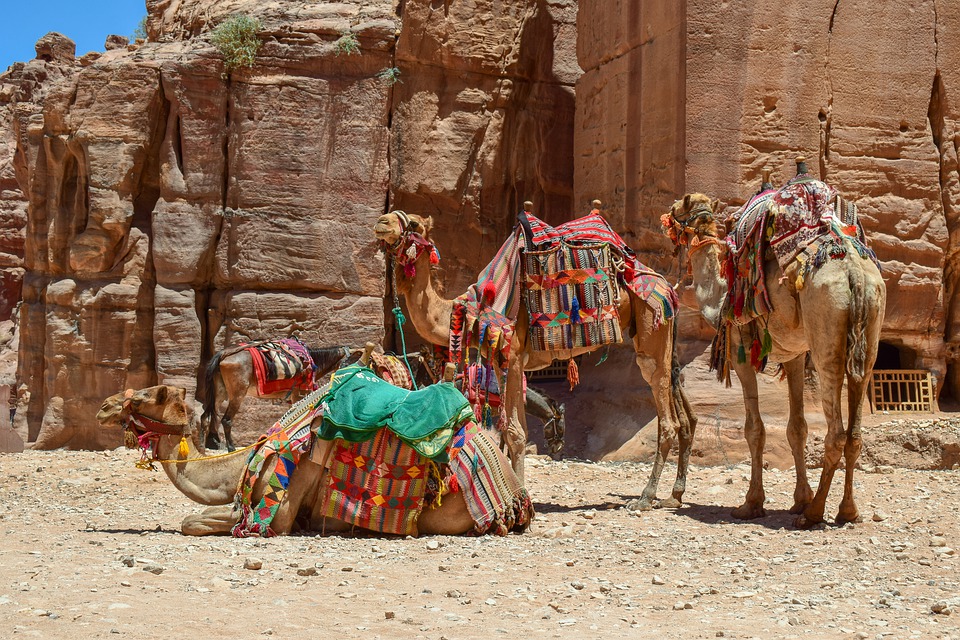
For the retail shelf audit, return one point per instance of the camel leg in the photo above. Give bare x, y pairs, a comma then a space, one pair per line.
848, 511
218, 520
688, 427
451, 518
828, 351
656, 371
515, 433
797, 433
303, 487
756, 436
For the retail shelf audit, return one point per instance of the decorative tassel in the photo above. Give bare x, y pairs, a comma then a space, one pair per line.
434, 255
741, 355
184, 448
767, 343
738, 306
489, 291
573, 373
453, 484
434, 472
488, 416
409, 270
755, 349
575, 311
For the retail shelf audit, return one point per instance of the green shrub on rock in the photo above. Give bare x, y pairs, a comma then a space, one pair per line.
236, 40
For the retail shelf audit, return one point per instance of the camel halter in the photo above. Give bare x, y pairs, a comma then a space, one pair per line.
676, 228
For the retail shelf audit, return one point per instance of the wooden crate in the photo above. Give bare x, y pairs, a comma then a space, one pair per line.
902, 390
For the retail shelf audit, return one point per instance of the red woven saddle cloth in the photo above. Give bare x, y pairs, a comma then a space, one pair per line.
279, 369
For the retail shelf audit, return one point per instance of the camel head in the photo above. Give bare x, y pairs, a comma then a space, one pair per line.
406, 237
692, 221
161, 410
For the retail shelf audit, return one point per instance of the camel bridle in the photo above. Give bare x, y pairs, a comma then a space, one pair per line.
142, 432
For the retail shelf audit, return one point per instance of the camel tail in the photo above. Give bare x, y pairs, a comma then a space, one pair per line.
857, 326
680, 402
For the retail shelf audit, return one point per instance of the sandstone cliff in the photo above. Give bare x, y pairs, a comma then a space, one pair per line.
174, 209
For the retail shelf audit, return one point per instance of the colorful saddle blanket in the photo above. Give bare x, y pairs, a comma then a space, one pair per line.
485, 316
359, 404
806, 220
289, 438
282, 365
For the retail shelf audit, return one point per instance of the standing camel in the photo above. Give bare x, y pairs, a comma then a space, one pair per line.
836, 314
231, 376
654, 345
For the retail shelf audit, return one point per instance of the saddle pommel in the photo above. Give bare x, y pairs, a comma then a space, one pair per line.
801, 165
528, 206
596, 204
765, 181
449, 372
367, 350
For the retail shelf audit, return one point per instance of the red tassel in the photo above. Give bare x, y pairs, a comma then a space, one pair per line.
453, 485
755, 350
573, 373
434, 256
489, 291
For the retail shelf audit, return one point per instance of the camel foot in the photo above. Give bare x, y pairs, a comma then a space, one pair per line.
804, 522
670, 503
640, 504
843, 519
749, 512
799, 507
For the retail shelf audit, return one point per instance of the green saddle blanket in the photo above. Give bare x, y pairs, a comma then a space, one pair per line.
358, 404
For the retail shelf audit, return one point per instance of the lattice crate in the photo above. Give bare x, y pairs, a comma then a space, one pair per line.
902, 390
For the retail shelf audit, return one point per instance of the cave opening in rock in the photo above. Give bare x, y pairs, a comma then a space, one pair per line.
890, 356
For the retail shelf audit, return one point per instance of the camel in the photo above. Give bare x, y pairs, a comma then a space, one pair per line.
836, 316
655, 349
162, 414
230, 377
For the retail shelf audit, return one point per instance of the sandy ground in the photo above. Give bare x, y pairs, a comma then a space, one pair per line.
91, 549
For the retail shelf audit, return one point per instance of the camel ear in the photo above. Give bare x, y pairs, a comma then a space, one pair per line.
161, 394
686, 202
715, 204
561, 409
427, 224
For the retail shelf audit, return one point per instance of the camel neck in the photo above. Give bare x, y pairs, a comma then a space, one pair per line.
428, 311
710, 287
208, 481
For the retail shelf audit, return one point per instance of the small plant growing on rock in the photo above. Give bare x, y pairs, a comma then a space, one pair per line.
346, 44
236, 40
140, 33
390, 76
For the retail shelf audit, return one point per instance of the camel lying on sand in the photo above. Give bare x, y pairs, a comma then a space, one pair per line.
161, 415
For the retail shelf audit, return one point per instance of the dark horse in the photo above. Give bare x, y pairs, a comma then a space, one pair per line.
230, 377
550, 413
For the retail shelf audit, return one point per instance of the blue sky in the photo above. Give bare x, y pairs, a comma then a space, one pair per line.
86, 22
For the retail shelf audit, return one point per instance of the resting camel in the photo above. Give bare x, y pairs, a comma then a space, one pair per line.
836, 316
230, 377
654, 346
161, 413
551, 414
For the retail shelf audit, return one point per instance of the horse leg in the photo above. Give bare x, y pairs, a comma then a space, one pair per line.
797, 433
756, 436
237, 373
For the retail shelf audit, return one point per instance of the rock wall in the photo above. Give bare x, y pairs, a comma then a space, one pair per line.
171, 209
175, 208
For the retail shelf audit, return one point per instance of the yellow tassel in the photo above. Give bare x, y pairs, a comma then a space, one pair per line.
184, 448
433, 470
799, 283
